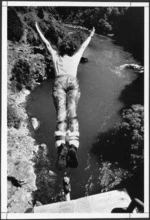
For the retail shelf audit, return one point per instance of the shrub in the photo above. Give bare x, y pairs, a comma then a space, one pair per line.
132, 128
104, 27
21, 73
40, 13
125, 143
15, 27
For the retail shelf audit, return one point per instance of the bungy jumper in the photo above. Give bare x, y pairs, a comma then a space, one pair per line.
66, 94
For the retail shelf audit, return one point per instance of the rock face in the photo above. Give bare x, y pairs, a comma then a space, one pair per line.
137, 69
133, 66
20, 150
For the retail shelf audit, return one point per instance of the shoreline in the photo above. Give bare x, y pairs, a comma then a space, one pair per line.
20, 164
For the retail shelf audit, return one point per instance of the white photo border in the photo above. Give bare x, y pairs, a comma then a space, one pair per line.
4, 213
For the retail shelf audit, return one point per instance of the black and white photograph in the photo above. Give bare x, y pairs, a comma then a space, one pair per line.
75, 110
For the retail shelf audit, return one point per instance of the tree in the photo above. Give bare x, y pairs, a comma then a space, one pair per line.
132, 128
21, 73
15, 27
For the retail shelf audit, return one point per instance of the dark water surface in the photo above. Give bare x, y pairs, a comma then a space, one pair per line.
98, 110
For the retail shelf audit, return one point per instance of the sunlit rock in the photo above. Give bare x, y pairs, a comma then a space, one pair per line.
133, 66
35, 123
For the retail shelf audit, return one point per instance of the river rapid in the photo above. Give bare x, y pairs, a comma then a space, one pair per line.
101, 84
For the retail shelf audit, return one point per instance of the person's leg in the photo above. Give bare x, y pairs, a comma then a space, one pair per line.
59, 98
73, 96
73, 128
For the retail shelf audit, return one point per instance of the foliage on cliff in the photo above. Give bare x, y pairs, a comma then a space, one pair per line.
15, 27
26, 66
122, 148
132, 129
125, 143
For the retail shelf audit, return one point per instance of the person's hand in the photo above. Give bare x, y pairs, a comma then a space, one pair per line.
92, 32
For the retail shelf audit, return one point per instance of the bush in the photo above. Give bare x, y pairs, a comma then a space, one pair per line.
21, 74
125, 143
12, 118
40, 13
104, 27
132, 128
15, 27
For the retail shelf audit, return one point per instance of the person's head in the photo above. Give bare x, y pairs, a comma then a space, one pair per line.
68, 46
70, 43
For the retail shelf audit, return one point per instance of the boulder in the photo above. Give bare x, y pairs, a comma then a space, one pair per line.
35, 123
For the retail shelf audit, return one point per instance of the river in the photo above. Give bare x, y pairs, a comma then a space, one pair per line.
99, 108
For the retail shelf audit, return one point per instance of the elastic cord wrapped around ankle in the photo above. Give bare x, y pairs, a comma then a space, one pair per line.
74, 138
60, 138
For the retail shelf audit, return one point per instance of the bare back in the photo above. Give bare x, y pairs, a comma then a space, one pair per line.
66, 64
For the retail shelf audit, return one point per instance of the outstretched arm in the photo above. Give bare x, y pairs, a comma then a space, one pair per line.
85, 44
49, 47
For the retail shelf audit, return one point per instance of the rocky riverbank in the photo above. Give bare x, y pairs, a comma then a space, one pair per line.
20, 151
21, 146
